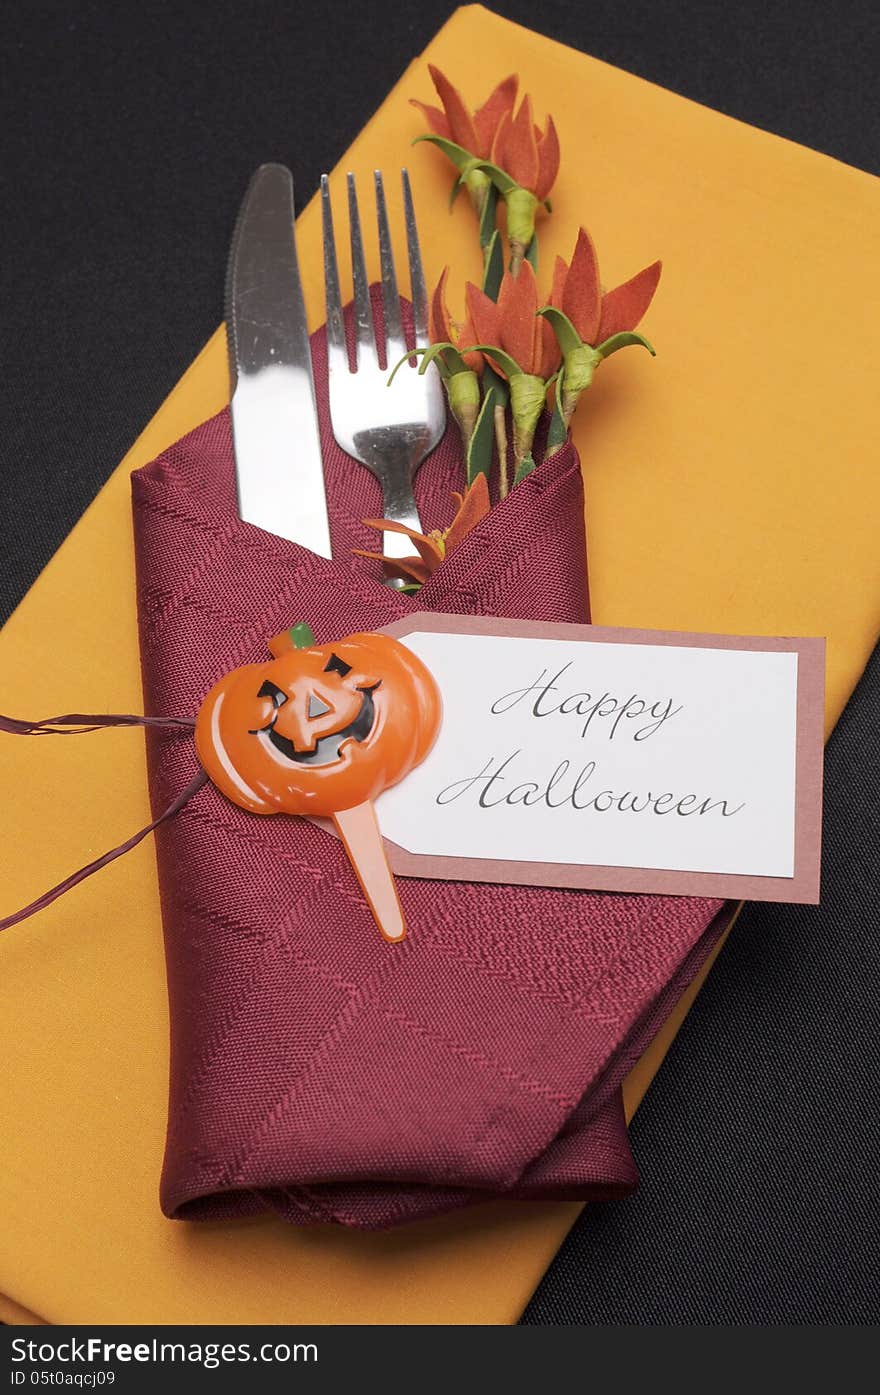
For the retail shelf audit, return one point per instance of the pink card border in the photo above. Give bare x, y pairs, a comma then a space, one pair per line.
803, 887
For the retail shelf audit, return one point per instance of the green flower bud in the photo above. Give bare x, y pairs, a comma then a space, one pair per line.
527, 396
521, 205
478, 185
579, 365
463, 391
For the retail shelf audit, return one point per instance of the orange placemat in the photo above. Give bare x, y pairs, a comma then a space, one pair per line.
730, 485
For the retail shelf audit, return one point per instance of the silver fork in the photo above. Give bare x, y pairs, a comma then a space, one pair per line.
389, 429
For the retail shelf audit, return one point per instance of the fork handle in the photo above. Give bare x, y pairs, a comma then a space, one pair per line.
398, 503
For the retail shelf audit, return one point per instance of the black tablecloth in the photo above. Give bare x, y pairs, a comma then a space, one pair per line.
128, 136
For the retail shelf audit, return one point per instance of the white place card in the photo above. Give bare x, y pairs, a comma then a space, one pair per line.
616, 760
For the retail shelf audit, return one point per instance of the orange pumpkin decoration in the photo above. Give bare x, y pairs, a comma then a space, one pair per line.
322, 730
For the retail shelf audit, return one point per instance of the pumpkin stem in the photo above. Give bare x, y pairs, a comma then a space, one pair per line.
302, 635
299, 636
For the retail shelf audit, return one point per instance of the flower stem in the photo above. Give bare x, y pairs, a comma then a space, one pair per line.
517, 257
501, 444
569, 403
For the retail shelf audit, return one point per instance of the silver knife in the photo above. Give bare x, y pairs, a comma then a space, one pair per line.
278, 468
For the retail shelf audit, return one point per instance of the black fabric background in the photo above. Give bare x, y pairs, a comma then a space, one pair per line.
127, 135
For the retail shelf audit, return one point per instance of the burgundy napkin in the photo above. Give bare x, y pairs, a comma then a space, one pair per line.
315, 1069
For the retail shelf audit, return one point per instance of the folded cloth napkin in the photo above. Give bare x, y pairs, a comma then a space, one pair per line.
315, 1069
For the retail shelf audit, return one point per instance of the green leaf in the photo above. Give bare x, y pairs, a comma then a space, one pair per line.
461, 158
446, 356
532, 252
499, 177
622, 341
493, 270
455, 191
487, 218
558, 432
567, 336
508, 364
413, 353
410, 588
479, 451
410, 353
449, 361
524, 468
493, 382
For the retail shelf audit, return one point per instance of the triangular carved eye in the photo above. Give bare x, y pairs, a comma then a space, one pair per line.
270, 690
336, 665
317, 708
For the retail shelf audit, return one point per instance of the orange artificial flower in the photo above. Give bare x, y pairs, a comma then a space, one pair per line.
514, 325
445, 330
529, 155
433, 547
525, 353
524, 166
577, 292
496, 145
589, 325
475, 130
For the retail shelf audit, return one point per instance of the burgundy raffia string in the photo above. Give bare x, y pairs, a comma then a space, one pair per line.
77, 723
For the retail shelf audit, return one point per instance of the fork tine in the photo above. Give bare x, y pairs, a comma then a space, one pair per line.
365, 339
395, 344
335, 322
418, 290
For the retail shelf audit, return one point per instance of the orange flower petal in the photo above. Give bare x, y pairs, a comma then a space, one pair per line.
426, 547
444, 329
518, 308
488, 117
519, 148
548, 349
406, 568
460, 121
472, 510
389, 525
435, 118
548, 160
560, 272
551, 355
429, 552
440, 325
624, 307
484, 314
467, 334
582, 297
498, 140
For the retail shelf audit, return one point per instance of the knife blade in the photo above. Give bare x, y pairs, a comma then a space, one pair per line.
278, 467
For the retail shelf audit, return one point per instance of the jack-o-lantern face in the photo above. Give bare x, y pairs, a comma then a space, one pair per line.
308, 721
318, 728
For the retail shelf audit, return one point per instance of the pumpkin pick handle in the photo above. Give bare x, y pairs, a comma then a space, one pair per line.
360, 834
